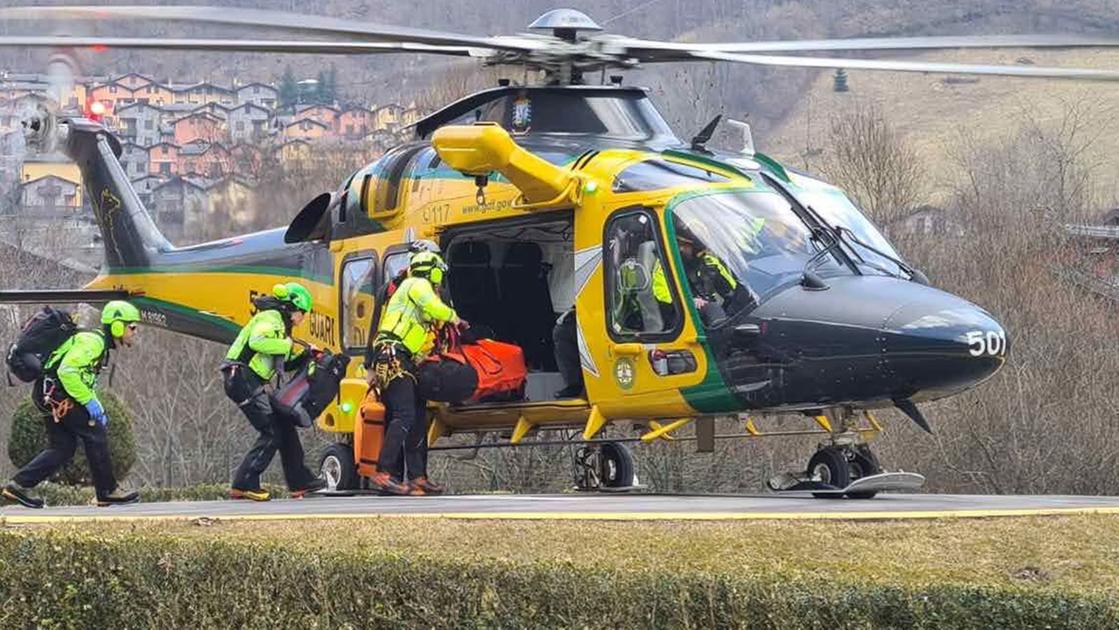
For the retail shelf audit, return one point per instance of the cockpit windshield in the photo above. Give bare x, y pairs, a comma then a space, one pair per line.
838, 210
737, 241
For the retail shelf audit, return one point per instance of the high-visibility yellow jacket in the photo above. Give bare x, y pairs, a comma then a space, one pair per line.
411, 313
77, 362
266, 338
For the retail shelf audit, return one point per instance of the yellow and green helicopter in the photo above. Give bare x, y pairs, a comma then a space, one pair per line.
561, 194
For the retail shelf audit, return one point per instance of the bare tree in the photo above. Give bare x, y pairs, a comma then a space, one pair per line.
869, 159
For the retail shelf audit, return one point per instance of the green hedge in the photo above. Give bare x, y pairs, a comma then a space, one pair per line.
70, 578
29, 436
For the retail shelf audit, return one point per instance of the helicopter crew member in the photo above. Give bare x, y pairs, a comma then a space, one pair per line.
410, 317
263, 349
67, 391
710, 279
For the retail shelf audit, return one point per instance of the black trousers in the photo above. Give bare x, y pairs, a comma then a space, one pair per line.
566, 339
404, 449
62, 441
276, 433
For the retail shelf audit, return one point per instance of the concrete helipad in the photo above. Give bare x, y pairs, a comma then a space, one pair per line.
621, 507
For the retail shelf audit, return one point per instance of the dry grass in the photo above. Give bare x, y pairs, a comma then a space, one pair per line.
1073, 553
932, 111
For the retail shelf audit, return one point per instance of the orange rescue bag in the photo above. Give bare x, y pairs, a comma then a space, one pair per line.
369, 432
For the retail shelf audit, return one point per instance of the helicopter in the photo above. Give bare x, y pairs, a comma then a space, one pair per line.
563, 193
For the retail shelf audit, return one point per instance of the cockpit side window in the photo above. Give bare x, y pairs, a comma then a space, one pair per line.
641, 299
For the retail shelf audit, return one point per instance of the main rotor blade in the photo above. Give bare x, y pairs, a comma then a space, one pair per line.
231, 45
295, 22
648, 49
913, 66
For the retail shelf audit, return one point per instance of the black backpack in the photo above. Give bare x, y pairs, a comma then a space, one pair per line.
307, 394
41, 335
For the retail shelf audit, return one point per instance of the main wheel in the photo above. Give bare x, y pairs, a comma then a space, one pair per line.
829, 465
862, 463
337, 466
615, 466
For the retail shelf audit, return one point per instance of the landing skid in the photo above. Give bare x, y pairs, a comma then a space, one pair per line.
863, 488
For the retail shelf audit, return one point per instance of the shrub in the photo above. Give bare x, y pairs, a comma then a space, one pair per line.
29, 436
74, 579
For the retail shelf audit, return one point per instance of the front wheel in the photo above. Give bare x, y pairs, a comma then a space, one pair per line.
336, 466
829, 465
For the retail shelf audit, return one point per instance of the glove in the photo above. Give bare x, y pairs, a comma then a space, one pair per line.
97, 412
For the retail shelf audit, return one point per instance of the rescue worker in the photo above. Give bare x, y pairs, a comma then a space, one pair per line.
710, 280
67, 391
403, 338
263, 350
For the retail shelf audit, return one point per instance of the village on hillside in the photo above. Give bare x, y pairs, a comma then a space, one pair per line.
187, 146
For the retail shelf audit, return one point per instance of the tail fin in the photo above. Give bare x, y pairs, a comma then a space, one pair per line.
130, 236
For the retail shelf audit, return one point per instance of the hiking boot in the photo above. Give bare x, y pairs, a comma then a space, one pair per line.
314, 485
387, 485
252, 495
118, 497
426, 485
15, 492
571, 391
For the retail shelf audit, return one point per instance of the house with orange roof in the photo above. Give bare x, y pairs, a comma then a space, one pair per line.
163, 159
306, 129
198, 126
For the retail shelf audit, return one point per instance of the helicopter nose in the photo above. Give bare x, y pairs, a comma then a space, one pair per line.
939, 345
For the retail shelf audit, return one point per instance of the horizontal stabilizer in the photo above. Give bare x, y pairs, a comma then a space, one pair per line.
63, 296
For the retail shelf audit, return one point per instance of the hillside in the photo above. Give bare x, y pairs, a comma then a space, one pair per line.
934, 112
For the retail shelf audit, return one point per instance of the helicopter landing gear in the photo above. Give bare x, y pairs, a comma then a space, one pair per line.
844, 467
606, 467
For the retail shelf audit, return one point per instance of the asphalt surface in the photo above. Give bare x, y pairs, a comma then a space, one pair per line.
584, 507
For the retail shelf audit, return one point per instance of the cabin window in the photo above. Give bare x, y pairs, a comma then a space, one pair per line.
395, 264
358, 275
641, 299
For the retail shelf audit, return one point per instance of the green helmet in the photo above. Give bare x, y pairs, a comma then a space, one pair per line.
117, 314
428, 265
295, 294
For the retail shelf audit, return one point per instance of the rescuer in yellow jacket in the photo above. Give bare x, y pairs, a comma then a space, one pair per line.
264, 348
66, 390
411, 315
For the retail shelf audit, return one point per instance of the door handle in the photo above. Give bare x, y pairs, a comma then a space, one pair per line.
627, 349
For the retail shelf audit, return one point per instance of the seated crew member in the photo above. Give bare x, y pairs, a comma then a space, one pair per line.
263, 349
405, 329
709, 278
67, 391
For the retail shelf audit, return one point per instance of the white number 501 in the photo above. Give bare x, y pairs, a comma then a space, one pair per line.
981, 343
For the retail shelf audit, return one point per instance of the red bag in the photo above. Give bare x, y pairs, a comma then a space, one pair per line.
500, 366
501, 370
